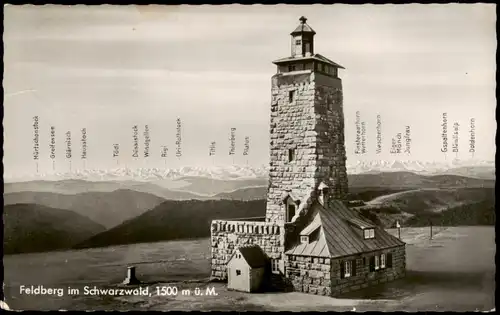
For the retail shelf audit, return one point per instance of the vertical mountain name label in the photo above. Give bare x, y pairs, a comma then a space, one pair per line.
360, 135
472, 136
147, 140
211, 148
232, 141
68, 145
164, 151
52, 145
36, 139
116, 150
407, 140
378, 148
444, 133
84, 143
396, 144
135, 141
454, 137
178, 138
68, 148
246, 147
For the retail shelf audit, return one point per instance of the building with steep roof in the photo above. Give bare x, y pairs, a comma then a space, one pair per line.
246, 268
312, 240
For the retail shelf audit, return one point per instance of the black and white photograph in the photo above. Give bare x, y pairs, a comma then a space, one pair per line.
249, 157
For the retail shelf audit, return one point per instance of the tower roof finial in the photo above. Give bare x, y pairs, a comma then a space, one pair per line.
303, 27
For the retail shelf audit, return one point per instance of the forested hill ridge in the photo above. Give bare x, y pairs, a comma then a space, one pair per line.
176, 220
35, 228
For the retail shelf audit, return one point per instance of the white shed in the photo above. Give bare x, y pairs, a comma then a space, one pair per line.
246, 269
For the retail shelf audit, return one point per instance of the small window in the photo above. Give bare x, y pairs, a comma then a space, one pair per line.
382, 261
275, 266
377, 263
291, 212
291, 155
238, 272
291, 96
298, 42
348, 269
291, 68
304, 239
334, 72
369, 233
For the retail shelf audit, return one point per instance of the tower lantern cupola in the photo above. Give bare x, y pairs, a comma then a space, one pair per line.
303, 39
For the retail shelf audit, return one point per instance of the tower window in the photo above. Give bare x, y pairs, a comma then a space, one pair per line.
290, 212
298, 42
291, 96
291, 155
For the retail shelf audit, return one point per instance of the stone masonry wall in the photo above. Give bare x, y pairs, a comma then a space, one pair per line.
226, 236
364, 278
292, 127
309, 274
330, 135
314, 130
321, 276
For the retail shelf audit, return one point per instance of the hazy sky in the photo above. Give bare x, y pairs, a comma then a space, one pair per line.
107, 68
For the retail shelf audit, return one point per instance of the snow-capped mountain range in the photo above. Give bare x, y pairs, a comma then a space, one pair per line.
419, 167
471, 168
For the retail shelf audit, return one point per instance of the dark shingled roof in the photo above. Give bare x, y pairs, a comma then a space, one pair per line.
303, 28
253, 255
316, 57
338, 237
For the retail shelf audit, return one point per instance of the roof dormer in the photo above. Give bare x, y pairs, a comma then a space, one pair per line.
310, 232
368, 229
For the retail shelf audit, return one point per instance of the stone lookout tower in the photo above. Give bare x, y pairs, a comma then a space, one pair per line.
307, 129
309, 238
